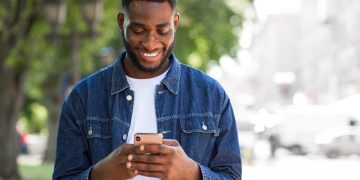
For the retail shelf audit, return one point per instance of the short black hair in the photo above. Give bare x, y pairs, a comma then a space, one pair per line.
126, 3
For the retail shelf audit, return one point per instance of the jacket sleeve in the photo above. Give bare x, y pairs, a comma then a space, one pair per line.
72, 156
226, 159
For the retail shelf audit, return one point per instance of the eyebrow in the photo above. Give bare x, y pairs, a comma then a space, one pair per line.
143, 26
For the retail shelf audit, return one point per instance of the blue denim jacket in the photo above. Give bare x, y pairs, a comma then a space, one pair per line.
190, 107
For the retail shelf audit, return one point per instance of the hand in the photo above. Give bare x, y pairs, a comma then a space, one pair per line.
114, 165
166, 161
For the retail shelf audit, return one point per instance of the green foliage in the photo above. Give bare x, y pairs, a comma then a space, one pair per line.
34, 117
50, 62
74, 18
89, 46
24, 51
205, 31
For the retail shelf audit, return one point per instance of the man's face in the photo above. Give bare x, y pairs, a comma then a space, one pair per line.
148, 33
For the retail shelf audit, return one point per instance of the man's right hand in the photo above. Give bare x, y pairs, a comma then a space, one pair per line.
113, 166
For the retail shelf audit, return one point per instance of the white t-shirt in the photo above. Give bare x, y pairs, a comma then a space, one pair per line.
143, 119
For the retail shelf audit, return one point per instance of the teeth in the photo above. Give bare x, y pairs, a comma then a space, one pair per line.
150, 54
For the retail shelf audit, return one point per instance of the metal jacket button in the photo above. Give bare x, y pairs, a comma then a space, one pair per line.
129, 97
204, 127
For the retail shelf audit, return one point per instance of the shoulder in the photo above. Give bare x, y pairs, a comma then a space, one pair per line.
101, 76
97, 81
201, 87
199, 77
198, 81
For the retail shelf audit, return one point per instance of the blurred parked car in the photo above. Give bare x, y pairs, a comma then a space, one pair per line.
247, 138
334, 145
300, 125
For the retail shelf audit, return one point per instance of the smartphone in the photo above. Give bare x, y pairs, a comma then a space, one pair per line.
147, 138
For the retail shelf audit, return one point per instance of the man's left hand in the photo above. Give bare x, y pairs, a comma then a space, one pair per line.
166, 161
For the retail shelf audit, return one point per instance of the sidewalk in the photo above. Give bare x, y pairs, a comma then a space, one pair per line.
303, 167
36, 148
30, 159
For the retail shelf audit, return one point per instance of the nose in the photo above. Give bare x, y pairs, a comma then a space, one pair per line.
150, 41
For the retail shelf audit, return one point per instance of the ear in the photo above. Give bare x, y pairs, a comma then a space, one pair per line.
120, 20
176, 20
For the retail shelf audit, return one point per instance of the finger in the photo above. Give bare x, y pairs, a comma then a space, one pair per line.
171, 142
167, 150
130, 166
136, 172
148, 149
155, 149
149, 167
130, 170
149, 158
125, 149
122, 152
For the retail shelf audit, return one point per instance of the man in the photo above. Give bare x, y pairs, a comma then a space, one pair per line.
147, 90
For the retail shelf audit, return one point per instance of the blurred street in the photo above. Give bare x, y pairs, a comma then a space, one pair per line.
284, 166
287, 167
36, 149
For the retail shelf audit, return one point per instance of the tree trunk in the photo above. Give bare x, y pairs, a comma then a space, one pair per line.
51, 140
53, 102
53, 123
11, 98
16, 24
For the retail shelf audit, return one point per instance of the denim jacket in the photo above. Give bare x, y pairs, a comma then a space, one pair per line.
190, 107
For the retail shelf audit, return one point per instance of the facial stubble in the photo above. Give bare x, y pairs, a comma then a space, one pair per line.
136, 62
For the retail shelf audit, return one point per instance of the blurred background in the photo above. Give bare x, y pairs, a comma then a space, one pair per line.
290, 67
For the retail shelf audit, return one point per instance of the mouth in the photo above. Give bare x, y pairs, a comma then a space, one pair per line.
150, 57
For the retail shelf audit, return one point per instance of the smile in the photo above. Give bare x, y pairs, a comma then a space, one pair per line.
150, 54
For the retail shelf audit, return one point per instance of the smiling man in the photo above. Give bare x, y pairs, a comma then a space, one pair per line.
147, 90
148, 35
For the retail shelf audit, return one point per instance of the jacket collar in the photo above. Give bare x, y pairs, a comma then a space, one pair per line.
171, 80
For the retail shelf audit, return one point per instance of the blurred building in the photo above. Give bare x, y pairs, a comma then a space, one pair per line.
274, 50
329, 49
311, 55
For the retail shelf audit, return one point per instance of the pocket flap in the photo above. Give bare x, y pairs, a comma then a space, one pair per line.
202, 124
98, 129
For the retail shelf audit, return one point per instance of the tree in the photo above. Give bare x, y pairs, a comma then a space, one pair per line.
75, 42
205, 31
17, 20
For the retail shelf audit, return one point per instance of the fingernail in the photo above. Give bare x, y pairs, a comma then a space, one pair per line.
136, 171
128, 164
142, 148
130, 157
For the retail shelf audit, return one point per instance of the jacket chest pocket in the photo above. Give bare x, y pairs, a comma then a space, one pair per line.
198, 136
98, 129
98, 135
206, 125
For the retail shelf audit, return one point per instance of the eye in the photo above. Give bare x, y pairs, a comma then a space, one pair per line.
164, 31
137, 31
